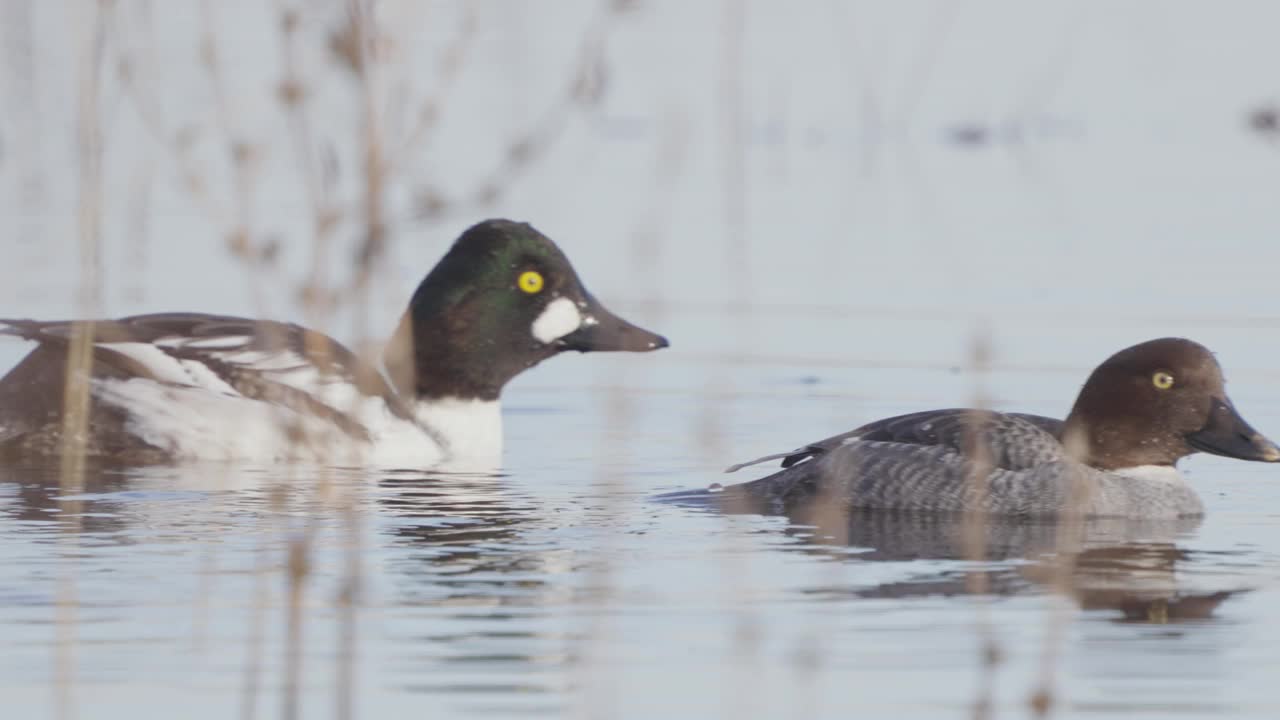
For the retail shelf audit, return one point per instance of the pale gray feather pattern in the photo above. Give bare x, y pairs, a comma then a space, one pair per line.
899, 476
1027, 472
936, 478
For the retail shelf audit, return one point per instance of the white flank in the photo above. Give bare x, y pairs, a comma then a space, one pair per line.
210, 421
192, 412
558, 319
195, 424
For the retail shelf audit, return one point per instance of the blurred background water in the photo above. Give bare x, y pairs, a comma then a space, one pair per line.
836, 210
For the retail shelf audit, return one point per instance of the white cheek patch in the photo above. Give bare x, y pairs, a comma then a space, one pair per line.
560, 318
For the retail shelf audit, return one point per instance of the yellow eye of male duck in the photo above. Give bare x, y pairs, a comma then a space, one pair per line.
530, 281
1162, 380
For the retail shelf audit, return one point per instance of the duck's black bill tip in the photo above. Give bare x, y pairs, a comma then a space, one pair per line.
1227, 434
602, 331
615, 337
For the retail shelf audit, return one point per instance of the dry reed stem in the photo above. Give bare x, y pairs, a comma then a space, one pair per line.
239, 236
977, 521
428, 115
318, 302
257, 629
742, 693
733, 147
608, 484
372, 252
80, 355
1068, 540
297, 571
326, 215
585, 88
619, 421
243, 155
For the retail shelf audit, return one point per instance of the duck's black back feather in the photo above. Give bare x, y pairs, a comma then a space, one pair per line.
950, 428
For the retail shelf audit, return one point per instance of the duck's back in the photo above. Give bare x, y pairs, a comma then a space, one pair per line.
194, 385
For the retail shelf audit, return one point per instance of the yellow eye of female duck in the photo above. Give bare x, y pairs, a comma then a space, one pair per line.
1162, 380
530, 281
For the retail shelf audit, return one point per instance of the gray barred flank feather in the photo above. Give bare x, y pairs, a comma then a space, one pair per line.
1030, 475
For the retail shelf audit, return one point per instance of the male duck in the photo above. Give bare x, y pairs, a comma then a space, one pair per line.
186, 385
1139, 412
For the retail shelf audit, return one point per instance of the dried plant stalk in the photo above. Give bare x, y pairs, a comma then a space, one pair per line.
976, 522
76, 402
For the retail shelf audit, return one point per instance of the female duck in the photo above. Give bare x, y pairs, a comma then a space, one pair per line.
1139, 413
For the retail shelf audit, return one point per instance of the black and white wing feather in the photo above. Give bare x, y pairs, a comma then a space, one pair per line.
281, 363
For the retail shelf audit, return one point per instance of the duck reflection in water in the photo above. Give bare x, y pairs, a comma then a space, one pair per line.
469, 560
472, 540
34, 492
1128, 565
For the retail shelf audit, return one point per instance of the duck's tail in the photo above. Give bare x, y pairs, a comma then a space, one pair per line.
769, 495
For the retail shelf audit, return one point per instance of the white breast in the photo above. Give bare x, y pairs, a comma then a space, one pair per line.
471, 430
212, 421
1153, 474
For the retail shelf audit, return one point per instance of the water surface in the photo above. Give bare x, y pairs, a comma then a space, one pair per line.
836, 213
